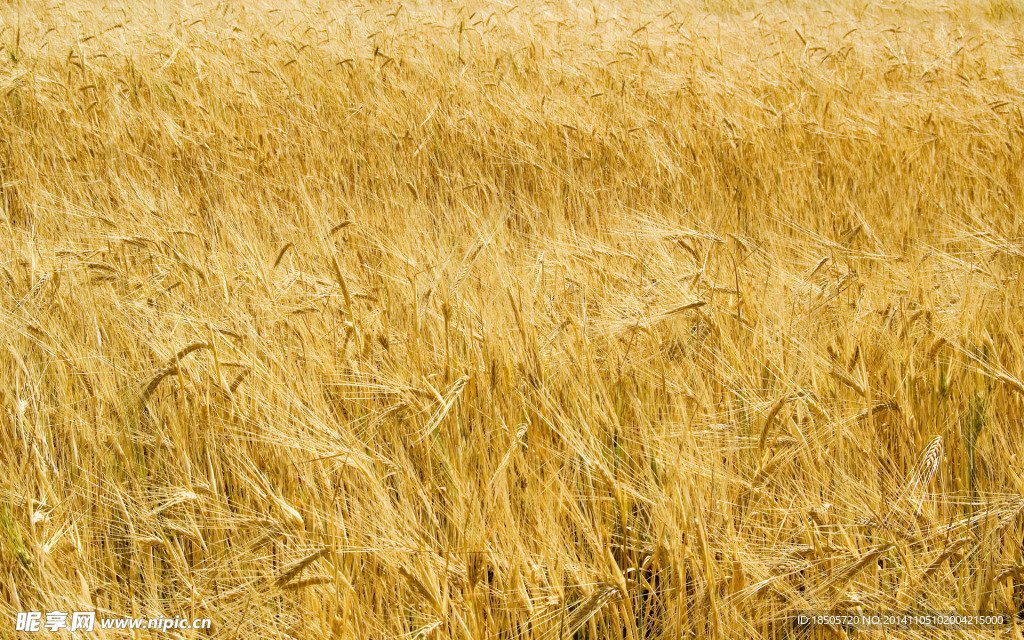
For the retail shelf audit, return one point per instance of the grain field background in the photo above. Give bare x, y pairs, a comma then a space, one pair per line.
483, 320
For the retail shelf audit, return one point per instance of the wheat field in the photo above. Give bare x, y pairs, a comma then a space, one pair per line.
545, 320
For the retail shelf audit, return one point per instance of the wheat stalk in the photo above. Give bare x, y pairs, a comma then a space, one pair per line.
171, 367
601, 596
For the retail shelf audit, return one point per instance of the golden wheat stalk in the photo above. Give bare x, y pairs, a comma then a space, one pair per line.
927, 465
296, 567
171, 367
601, 596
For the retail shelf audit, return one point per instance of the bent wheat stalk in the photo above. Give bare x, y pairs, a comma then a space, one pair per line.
588, 609
918, 478
171, 367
